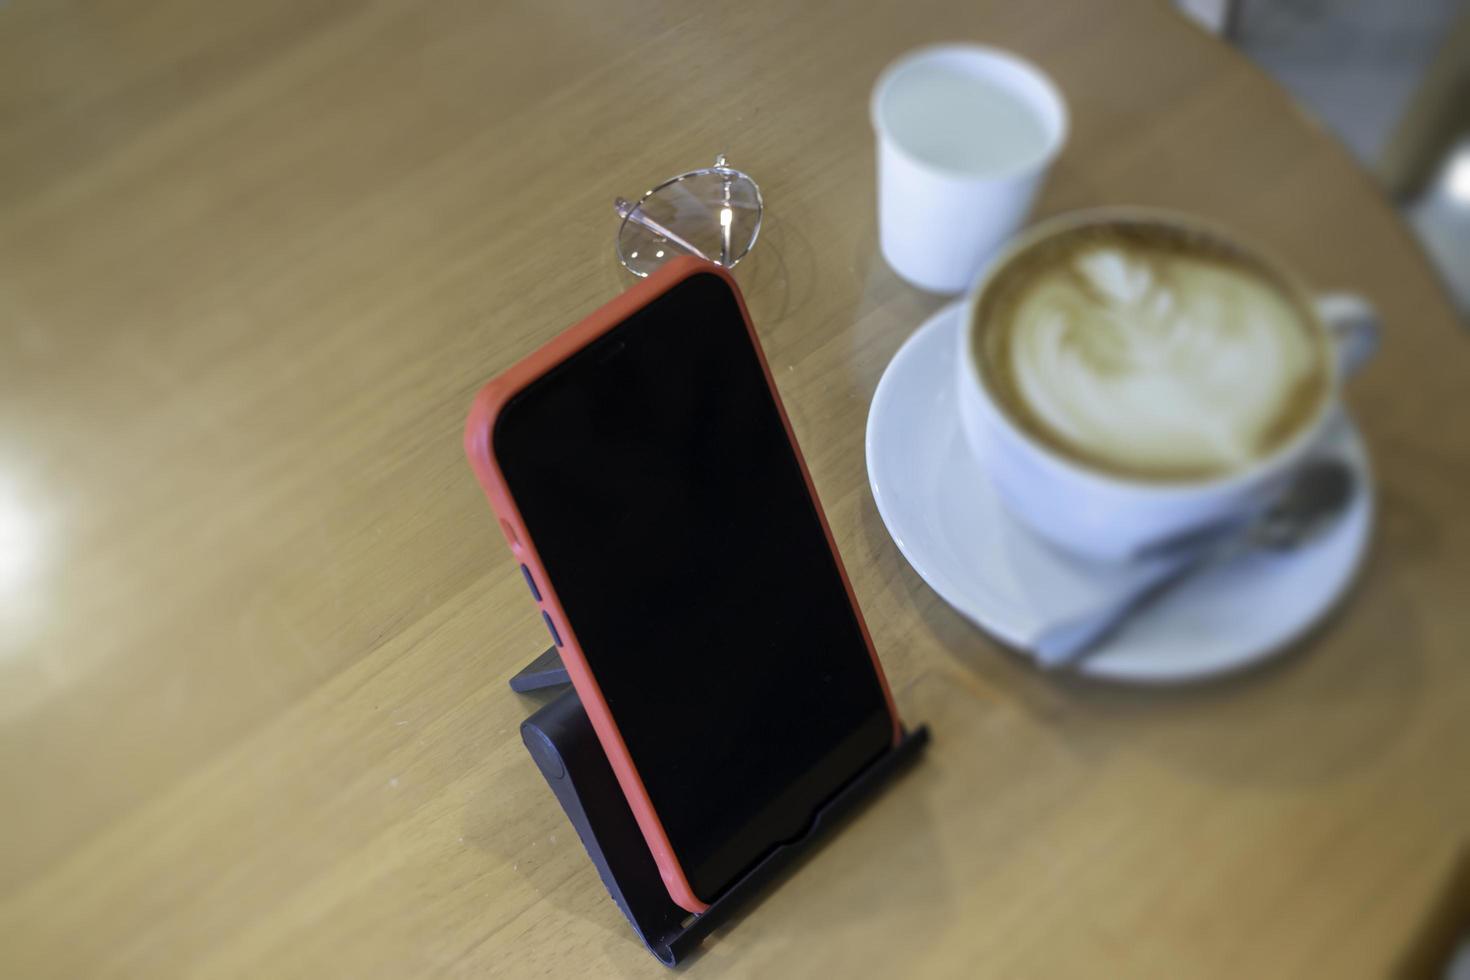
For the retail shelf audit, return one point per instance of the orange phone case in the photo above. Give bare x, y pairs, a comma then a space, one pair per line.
478, 445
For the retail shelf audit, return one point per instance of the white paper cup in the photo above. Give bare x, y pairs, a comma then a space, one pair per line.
965, 136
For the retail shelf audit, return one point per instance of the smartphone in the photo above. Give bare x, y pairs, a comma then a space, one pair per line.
648, 481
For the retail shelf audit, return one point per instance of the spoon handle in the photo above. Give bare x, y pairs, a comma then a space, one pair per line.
1064, 643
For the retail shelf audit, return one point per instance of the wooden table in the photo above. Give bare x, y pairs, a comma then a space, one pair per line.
256, 621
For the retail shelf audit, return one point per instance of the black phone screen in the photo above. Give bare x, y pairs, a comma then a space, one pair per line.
655, 477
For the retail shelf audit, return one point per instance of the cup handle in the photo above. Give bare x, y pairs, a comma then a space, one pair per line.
1353, 325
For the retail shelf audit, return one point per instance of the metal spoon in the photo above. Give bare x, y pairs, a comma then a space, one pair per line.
1311, 502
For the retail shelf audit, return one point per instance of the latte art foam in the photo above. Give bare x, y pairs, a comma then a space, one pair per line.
1155, 358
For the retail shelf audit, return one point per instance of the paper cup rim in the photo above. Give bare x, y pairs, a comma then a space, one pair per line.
1009, 60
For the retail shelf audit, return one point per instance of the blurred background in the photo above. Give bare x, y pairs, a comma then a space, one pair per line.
1392, 81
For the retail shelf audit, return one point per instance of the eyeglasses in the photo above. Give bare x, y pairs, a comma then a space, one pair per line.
713, 214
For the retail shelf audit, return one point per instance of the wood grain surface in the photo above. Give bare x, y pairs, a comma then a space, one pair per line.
256, 620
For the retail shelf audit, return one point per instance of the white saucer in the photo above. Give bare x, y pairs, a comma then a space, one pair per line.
945, 517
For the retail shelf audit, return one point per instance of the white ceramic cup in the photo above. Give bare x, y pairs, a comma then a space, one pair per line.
1109, 517
965, 136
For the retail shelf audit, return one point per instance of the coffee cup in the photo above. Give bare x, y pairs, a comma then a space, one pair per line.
1129, 375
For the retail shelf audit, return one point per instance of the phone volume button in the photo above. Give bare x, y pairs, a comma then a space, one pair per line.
555, 636
531, 583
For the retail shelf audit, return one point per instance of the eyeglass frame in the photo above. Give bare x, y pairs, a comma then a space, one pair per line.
632, 211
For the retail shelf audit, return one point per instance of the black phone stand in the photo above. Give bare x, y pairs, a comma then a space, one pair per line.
559, 737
